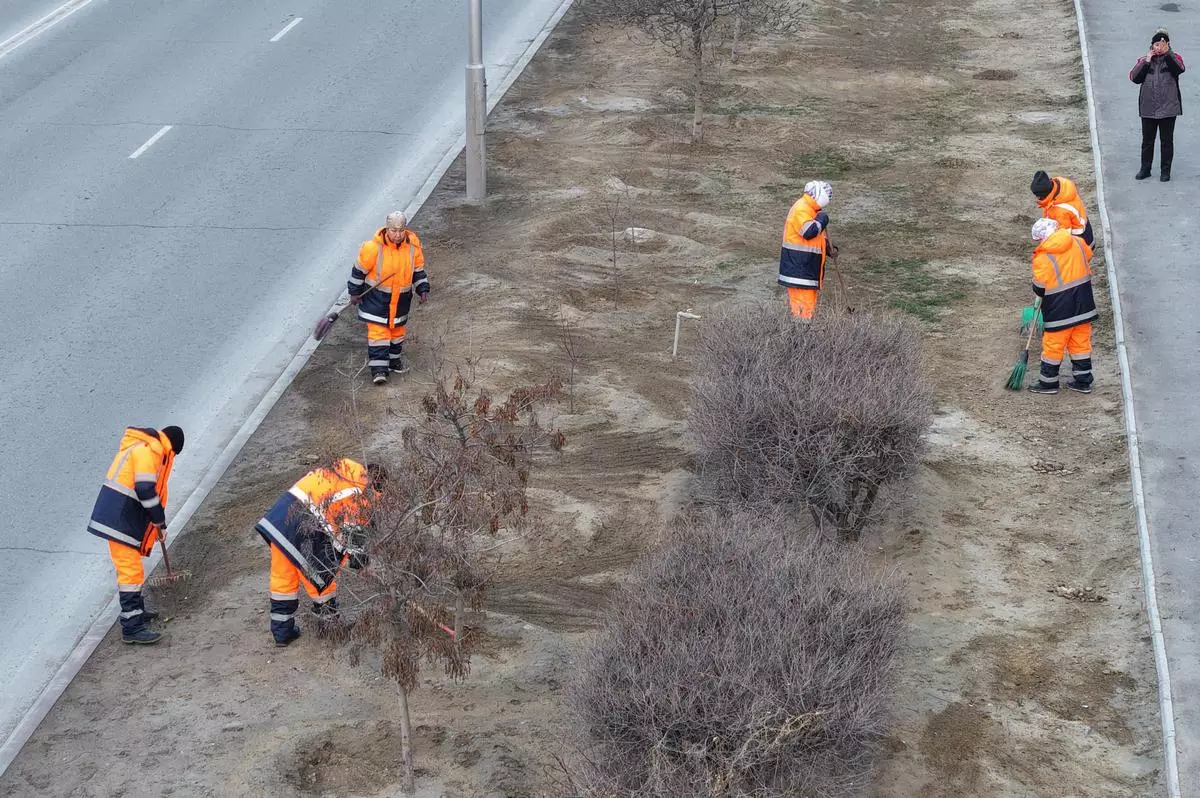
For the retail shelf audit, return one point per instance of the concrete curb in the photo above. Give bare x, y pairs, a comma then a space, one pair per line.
1165, 702
108, 615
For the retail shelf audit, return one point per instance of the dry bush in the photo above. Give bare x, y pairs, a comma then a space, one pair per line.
741, 659
822, 414
456, 483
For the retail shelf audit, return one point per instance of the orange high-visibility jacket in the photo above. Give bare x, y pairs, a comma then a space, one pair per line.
387, 275
802, 258
133, 499
1064, 206
307, 523
1062, 275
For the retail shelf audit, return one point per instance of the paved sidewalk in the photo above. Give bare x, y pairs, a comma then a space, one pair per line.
1156, 241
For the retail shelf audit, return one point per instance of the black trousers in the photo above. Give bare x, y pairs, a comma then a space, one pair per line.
1165, 128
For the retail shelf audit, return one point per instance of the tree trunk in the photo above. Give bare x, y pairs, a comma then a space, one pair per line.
459, 611
698, 116
409, 783
571, 388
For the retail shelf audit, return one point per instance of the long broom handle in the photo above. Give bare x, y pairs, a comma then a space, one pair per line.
1037, 308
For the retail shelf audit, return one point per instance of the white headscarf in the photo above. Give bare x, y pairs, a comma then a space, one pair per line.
1042, 229
820, 190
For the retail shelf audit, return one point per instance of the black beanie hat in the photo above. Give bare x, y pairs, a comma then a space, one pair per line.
175, 436
1160, 35
1042, 185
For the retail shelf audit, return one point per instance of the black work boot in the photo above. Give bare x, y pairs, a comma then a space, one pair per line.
1164, 174
1079, 387
399, 365
379, 377
289, 637
1143, 173
150, 615
1043, 387
142, 637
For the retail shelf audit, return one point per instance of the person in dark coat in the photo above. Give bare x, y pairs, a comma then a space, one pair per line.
1159, 102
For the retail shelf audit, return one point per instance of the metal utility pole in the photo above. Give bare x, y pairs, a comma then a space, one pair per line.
476, 108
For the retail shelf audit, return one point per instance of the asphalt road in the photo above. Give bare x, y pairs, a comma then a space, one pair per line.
1155, 241
176, 286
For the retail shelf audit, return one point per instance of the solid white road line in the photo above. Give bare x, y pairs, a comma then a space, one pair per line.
162, 131
1166, 702
287, 28
41, 26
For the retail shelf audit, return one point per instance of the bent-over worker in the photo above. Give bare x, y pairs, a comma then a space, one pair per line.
130, 513
313, 530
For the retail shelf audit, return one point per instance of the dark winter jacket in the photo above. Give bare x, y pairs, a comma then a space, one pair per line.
1159, 79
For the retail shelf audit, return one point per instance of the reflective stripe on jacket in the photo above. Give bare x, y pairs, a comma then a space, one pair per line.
802, 257
306, 523
386, 276
1064, 206
133, 498
1062, 276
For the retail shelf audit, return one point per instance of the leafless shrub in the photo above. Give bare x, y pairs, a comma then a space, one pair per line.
823, 414
457, 482
741, 659
689, 28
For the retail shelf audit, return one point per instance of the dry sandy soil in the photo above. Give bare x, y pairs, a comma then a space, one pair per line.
930, 118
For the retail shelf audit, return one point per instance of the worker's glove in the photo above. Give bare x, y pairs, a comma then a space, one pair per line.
356, 299
423, 297
823, 219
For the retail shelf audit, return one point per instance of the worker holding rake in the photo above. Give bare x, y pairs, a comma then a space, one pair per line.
1062, 277
130, 513
805, 247
390, 267
314, 530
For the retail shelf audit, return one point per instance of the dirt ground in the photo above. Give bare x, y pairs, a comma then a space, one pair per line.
930, 119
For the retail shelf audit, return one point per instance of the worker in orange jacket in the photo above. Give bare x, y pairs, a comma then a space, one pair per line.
1062, 276
805, 247
1059, 200
130, 513
314, 530
390, 267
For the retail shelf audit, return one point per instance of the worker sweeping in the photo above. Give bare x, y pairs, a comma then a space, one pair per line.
390, 267
314, 530
130, 513
1062, 276
1059, 200
805, 247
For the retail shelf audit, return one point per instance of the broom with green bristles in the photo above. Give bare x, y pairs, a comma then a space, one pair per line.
1016, 380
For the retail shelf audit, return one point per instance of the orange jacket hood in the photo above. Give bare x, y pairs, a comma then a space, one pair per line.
1064, 191
151, 437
